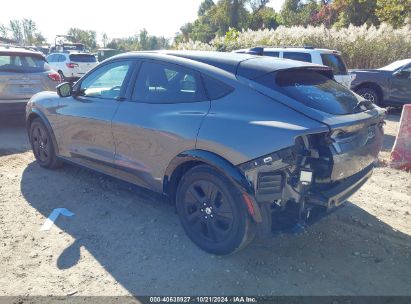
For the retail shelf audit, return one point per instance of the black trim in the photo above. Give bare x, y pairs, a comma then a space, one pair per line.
341, 191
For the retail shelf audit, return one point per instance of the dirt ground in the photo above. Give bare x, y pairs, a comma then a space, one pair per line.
123, 240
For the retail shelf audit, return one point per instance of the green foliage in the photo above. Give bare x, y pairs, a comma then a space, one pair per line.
394, 12
87, 37
297, 12
215, 19
356, 12
361, 46
205, 6
141, 42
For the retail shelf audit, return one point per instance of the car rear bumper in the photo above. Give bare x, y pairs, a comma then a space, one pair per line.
337, 193
13, 107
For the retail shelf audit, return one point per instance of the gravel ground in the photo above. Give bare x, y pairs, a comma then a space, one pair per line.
123, 240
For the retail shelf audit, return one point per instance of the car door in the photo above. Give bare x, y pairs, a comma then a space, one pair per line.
401, 86
160, 120
85, 118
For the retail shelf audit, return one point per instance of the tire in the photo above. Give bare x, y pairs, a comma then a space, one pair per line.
370, 94
42, 145
212, 211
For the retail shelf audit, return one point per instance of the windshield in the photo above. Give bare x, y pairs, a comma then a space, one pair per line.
314, 90
395, 65
24, 63
335, 62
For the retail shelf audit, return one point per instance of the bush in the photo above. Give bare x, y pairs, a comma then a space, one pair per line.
361, 46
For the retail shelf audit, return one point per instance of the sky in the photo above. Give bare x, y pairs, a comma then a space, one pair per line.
119, 18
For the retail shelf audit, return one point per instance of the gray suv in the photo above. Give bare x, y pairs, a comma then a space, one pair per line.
23, 73
234, 140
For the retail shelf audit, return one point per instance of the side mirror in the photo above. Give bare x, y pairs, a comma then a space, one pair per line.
402, 74
64, 89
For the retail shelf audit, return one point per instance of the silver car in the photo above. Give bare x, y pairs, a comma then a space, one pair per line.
233, 140
23, 73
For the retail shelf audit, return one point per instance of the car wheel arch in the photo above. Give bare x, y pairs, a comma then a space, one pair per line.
192, 158
374, 86
38, 114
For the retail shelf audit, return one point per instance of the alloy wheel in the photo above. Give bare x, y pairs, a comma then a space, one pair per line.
208, 211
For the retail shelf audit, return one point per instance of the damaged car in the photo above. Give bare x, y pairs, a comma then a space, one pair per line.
235, 141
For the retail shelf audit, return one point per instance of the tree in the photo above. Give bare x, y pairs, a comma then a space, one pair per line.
29, 30
3, 31
205, 6
87, 37
104, 39
298, 12
215, 19
264, 17
140, 42
356, 12
16, 31
394, 12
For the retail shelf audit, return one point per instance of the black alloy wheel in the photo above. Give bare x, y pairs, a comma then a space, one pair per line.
42, 145
212, 211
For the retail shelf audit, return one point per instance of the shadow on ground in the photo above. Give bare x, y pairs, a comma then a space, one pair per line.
13, 135
135, 235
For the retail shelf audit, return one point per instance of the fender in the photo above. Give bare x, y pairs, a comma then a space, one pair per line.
36, 112
222, 165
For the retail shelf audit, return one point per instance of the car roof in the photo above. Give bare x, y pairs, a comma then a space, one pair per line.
300, 49
308, 50
245, 65
19, 50
71, 53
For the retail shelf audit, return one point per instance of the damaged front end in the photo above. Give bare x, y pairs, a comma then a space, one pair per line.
321, 171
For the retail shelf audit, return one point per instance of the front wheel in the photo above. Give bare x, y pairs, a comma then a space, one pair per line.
212, 211
42, 145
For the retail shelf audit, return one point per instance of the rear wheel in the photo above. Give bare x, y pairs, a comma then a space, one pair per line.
212, 211
369, 94
42, 145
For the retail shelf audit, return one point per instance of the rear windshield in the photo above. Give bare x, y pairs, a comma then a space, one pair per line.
82, 58
335, 62
314, 90
22, 63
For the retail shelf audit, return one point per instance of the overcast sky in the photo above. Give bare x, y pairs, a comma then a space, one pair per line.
119, 18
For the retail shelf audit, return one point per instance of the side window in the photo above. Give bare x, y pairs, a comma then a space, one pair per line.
271, 54
107, 81
298, 56
50, 58
167, 83
215, 88
61, 58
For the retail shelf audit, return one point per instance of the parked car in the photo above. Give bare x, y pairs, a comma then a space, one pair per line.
330, 58
72, 65
104, 53
230, 138
22, 74
386, 86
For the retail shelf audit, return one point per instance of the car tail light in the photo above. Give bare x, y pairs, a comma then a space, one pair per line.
71, 65
55, 77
